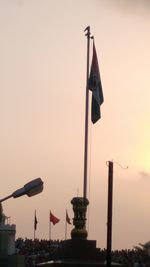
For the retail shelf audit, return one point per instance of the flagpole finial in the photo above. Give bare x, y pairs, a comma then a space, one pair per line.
87, 30
88, 33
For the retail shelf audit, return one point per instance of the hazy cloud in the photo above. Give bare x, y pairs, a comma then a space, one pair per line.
130, 6
144, 174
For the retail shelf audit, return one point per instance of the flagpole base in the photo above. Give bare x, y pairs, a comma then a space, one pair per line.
79, 221
77, 252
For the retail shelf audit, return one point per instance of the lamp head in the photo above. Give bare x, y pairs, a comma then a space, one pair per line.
30, 189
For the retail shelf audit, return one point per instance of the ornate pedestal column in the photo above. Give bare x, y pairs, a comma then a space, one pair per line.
79, 207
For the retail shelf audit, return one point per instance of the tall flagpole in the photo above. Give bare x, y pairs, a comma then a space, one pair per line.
79, 231
86, 115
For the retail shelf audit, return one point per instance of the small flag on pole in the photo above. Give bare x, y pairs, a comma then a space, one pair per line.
68, 220
35, 221
53, 219
95, 86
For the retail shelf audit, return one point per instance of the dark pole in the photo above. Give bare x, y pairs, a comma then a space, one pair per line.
49, 226
109, 213
86, 116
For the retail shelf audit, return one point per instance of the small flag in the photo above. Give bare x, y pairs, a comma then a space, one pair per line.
68, 220
53, 219
95, 86
35, 221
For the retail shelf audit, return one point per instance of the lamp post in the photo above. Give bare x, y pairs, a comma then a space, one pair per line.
30, 189
7, 232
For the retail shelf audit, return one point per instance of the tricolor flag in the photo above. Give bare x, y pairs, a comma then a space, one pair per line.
53, 219
94, 84
68, 220
35, 221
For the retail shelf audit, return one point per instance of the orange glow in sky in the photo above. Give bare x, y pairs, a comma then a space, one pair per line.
42, 105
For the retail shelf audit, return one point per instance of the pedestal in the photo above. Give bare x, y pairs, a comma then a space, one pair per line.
76, 253
79, 249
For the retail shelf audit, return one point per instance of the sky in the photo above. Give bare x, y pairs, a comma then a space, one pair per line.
42, 113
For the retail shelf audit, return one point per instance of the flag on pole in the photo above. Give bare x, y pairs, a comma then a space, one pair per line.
68, 220
53, 219
95, 86
35, 221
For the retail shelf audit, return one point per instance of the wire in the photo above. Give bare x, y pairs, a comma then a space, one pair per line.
117, 163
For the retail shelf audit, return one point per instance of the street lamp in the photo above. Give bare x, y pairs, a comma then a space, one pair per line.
30, 189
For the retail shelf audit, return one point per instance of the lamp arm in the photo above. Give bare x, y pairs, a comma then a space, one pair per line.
5, 198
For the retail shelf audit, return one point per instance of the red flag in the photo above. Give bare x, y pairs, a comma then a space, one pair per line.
53, 219
67, 218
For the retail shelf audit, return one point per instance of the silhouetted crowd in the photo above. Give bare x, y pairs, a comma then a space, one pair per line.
37, 251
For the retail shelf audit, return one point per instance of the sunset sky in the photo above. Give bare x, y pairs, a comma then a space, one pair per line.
42, 111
